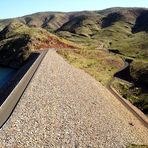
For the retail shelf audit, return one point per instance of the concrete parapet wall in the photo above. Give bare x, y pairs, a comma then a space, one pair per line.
8, 106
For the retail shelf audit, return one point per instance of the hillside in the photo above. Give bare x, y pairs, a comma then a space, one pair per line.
101, 34
116, 28
18, 41
54, 20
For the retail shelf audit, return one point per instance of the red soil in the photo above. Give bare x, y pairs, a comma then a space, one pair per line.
52, 42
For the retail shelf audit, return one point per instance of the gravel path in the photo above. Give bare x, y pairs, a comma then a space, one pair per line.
63, 107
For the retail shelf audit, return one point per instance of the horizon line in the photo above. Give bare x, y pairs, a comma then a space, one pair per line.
93, 10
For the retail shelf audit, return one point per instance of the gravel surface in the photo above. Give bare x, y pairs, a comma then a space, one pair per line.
63, 107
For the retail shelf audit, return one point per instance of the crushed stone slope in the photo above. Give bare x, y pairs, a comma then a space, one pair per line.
65, 107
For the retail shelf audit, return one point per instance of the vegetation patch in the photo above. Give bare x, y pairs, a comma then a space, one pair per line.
99, 64
135, 95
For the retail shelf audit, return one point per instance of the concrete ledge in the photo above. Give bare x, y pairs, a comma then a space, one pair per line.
8, 106
136, 112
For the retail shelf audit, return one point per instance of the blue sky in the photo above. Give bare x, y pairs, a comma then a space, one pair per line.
14, 8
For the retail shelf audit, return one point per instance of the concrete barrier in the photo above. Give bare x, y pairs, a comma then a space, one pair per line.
9, 104
135, 111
